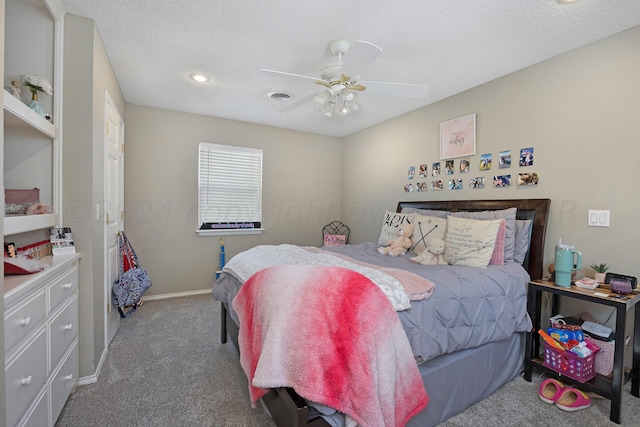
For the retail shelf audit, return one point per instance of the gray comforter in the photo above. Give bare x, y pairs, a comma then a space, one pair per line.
470, 306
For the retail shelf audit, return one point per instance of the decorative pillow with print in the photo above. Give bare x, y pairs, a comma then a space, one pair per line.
509, 215
426, 227
392, 220
470, 242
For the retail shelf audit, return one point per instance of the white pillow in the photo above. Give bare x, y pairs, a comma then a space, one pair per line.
426, 226
392, 220
470, 242
509, 215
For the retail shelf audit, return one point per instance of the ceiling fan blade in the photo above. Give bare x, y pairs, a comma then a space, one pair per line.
285, 75
297, 103
403, 90
359, 87
359, 57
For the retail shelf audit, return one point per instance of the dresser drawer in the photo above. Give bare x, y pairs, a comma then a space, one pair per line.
39, 415
24, 319
63, 382
63, 329
62, 289
25, 377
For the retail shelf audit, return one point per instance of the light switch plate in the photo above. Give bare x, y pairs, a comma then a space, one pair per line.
598, 218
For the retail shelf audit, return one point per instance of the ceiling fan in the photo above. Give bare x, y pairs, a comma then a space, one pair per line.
339, 90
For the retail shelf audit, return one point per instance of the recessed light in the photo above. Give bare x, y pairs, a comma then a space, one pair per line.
202, 78
567, 1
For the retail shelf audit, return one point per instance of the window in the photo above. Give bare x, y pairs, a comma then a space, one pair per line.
229, 189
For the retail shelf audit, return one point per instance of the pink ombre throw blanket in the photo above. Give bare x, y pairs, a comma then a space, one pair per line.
333, 336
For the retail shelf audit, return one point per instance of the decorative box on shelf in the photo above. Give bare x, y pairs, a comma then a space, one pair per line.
604, 358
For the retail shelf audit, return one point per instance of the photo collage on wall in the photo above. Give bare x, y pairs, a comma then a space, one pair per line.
432, 176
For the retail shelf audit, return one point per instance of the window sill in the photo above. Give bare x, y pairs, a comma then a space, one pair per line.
228, 232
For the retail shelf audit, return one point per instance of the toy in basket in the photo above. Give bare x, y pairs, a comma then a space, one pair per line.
568, 363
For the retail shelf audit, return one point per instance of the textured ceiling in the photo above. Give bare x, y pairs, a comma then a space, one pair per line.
451, 45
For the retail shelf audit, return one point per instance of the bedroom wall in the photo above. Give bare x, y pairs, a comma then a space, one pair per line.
87, 75
301, 191
580, 113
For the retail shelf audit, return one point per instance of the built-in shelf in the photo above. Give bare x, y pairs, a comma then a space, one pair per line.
24, 223
17, 113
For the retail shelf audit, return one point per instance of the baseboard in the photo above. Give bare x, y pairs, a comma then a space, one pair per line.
94, 378
177, 294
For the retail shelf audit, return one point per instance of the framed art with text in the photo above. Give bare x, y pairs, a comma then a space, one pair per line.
458, 137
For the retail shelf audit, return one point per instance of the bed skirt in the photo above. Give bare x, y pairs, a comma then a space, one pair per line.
467, 377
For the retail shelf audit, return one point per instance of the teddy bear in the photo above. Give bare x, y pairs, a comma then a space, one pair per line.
400, 244
433, 254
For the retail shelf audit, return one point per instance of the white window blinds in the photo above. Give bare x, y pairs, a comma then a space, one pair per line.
229, 187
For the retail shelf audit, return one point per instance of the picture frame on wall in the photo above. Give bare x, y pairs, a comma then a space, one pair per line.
458, 137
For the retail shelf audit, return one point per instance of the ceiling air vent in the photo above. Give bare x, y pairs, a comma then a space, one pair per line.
280, 96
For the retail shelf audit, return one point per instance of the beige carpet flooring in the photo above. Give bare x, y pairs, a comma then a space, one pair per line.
167, 367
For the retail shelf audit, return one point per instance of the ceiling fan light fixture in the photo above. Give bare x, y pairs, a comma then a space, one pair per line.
349, 110
321, 99
337, 88
350, 98
330, 108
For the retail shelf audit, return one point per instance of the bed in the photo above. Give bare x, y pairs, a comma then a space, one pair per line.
477, 318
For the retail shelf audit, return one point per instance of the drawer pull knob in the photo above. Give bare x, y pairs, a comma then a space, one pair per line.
68, 377
26, 381
68, 327
67, 285
25, 322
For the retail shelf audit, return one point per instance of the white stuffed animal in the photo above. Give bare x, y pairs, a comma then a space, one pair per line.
433, 254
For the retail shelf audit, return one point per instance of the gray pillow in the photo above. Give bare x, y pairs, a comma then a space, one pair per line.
509, 216
523, 239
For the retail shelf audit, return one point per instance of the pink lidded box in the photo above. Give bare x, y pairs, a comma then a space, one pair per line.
604, 358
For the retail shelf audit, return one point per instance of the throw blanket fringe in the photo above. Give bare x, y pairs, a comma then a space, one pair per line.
331, 335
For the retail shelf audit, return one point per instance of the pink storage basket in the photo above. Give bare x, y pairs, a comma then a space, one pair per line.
569, 364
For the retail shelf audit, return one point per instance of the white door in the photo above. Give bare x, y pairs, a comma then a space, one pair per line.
113, 209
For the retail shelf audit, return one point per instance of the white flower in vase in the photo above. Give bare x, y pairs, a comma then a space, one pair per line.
36, 84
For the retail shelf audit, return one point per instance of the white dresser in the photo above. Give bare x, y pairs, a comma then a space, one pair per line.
41, 342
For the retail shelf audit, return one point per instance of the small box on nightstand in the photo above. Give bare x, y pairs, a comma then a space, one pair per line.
604, 358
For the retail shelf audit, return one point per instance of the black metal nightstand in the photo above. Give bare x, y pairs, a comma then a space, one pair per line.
606, 386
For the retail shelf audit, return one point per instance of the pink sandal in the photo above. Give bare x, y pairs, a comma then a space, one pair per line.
550, 390
571, 399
